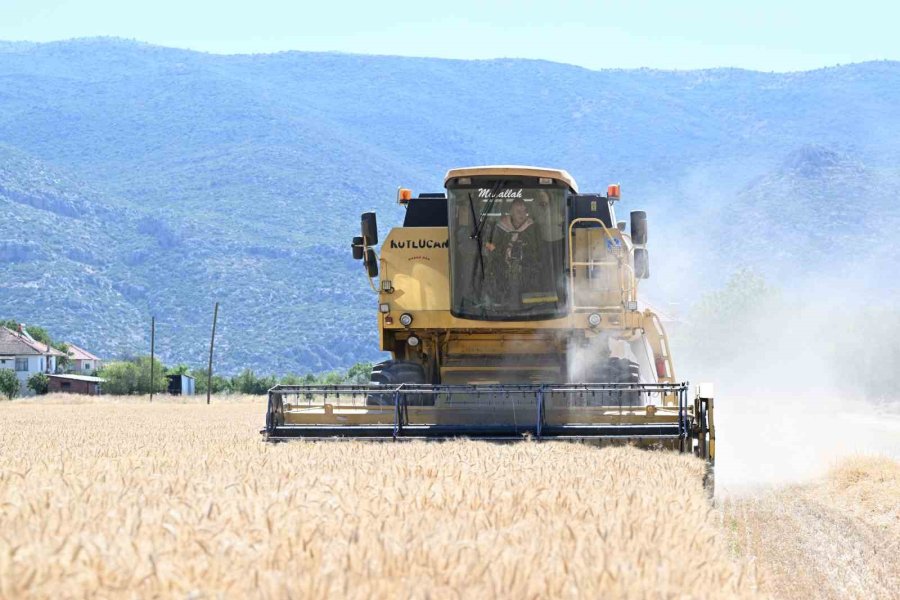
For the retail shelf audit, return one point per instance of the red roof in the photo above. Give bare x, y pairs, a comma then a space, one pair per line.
76, 353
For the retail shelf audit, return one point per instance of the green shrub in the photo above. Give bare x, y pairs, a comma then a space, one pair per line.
220, 385
39, 383
359, 373
133, 377
331, 378
292, 379
121, 378
9, 384
250, 383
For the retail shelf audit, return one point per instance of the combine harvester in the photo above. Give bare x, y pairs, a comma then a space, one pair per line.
510, 308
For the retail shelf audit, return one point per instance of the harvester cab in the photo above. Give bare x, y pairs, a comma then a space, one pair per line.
509, 306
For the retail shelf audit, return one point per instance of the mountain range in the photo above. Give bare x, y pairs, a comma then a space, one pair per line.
138, 180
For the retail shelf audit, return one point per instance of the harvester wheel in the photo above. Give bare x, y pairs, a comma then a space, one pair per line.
393, 373
617, 370
622, 370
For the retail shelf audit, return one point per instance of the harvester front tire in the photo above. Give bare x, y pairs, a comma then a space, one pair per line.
393, 373
626, 371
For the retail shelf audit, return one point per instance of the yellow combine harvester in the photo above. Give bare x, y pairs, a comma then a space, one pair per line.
509, 305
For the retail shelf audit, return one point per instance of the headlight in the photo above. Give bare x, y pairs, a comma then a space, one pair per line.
406, 319
413, 341
594, 319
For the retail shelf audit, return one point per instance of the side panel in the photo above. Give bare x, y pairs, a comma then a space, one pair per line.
416, 262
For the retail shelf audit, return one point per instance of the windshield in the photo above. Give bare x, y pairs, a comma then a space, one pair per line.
507, 251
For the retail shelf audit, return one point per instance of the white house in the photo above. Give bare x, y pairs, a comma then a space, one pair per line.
81, 361
25, 355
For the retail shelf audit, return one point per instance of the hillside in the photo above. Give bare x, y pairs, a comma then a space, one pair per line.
138, 180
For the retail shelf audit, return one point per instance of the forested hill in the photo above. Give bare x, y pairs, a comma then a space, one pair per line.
139, 180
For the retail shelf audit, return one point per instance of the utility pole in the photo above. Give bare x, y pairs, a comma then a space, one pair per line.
212, 341
152, 352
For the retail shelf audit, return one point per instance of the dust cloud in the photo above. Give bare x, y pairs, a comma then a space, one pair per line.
806, 372
806, 366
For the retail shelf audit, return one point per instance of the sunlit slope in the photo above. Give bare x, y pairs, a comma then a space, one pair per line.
240, 179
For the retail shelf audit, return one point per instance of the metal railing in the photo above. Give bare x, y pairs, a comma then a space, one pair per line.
625, 277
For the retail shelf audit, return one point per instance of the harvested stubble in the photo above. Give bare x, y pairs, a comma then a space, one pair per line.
137, 500
836, 537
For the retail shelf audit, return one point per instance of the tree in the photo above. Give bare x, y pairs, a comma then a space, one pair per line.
220, 385
181, 369
39, 383
62, 361
160, 383
38, 333
331, 378
133, 377
726, 321
9, 384
291, 379
121, 378
359, 373
247, 382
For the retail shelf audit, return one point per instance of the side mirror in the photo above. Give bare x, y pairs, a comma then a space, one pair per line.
371, 263
358, 249
369, 228
641, 263
638, 227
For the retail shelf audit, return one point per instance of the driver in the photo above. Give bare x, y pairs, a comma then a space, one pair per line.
512, 243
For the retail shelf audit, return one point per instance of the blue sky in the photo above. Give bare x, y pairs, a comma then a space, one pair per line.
767, 35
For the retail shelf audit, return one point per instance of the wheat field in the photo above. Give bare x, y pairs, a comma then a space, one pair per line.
119, 498
107, 498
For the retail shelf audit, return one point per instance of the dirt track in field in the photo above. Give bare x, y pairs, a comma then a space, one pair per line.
835, 537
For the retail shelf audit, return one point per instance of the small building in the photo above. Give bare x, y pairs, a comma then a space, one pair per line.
25, 355
75, 384
81, 361
181, 385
